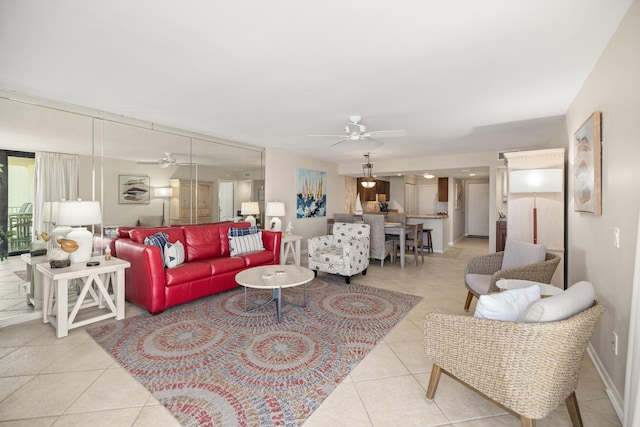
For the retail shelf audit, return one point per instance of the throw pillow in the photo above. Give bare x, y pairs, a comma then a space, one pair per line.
173, 254
159, 239
577, 298
243, 244
506, 305
518, 254
242, 231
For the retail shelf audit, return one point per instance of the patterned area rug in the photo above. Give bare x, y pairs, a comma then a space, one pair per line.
212, 363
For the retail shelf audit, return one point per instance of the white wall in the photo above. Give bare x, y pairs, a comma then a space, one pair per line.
280, 176
613, 87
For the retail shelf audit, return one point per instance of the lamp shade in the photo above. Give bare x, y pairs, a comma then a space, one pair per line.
76, 213
275, 209
163, 192
535, 181
250, 208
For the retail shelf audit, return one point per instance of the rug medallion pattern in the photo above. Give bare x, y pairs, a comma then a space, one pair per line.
212, 363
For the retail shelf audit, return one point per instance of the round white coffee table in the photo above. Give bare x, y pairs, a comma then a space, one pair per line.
274, 277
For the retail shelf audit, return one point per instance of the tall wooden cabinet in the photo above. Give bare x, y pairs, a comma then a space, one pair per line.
191, 202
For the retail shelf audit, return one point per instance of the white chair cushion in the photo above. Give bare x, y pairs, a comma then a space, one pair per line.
478, 282
545, 290
518, 254
506, 305
577, 298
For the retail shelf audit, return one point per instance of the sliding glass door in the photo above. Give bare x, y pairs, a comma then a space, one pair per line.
16, 201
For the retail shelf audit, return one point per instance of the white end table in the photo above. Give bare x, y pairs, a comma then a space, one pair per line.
34, 297
55, 308
290, 244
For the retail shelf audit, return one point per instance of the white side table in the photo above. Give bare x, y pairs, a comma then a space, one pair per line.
290, 244
95, 285
34, 297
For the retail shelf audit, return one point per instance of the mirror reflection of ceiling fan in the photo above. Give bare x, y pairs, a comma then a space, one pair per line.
354, 131
166, 161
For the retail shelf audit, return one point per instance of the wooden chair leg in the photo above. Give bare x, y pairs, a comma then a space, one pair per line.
574, 410
467, 303
436, 371
527, 422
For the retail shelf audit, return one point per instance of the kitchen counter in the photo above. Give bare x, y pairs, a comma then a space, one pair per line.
428, 216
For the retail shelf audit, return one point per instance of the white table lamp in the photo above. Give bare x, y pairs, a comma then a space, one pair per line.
250, 209
275, 210
78, 214
535, 181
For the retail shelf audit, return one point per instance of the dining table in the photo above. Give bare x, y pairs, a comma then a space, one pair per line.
399, 229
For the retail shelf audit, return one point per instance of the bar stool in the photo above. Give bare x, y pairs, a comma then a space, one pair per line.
429, 243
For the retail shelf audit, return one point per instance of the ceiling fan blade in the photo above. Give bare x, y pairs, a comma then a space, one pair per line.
386, 133
338, 142
147, 163
327, 135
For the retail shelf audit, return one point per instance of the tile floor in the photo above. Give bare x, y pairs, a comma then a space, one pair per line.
46, 381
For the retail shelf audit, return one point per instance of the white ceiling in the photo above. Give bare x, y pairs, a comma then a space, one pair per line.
458, 76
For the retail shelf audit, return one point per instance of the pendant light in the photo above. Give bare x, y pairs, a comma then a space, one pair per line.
367, 169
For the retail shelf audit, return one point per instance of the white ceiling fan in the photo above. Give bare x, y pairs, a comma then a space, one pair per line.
354, 131
166, 161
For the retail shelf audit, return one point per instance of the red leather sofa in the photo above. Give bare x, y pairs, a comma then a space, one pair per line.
208, 268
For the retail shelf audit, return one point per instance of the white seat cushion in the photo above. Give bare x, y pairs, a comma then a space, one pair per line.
478, 282
518, 254
507, 305
330, 255
577, 298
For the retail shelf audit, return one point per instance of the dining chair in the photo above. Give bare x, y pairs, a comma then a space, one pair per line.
415, 242
343, 217
400, 217
380, 246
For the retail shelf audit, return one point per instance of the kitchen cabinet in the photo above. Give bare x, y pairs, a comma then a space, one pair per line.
443, 189
191, 203
369, 194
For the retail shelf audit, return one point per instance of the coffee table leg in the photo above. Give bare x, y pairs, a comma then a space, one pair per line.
277, 294
245, 298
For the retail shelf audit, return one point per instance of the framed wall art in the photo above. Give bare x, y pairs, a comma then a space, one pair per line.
133, 189
587, 172
311, 193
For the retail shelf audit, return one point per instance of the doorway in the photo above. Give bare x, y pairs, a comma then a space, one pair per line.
226, 199
478, 209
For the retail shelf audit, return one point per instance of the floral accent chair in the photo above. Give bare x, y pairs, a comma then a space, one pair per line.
345, 252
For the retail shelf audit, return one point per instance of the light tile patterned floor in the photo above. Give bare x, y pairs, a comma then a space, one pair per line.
46, 381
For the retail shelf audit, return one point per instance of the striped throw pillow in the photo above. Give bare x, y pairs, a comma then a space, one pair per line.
159, 239
243, 244
242, 231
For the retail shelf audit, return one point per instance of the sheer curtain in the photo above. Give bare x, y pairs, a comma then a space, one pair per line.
56, 179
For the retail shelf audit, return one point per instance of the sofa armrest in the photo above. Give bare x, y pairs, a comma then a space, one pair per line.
145, 280
271, 241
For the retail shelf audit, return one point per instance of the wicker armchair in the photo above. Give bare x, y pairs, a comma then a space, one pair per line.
528, 369
482, 272
380, 247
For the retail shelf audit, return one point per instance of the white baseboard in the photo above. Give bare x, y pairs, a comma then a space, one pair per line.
21, 318
614, 395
